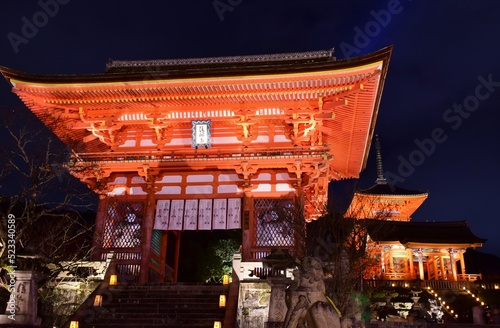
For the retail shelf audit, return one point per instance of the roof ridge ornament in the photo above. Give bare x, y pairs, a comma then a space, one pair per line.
328, 54
380, 170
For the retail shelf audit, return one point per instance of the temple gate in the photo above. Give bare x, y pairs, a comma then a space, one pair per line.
209, 143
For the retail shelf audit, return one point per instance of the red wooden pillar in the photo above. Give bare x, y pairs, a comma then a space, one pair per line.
247, 230
177, 254
147, 232
163, 256
102, 210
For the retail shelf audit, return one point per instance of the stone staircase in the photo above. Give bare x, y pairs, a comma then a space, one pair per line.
156, 305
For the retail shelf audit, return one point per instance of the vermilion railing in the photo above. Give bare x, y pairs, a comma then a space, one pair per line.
198, 154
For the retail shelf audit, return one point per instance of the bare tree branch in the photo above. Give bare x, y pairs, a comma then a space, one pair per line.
50, 224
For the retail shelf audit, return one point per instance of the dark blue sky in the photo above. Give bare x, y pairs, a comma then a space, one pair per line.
441, 86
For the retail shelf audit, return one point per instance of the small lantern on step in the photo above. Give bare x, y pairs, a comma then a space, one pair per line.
225, 279
217, 324
98, 300
113, 280
222, 301
73, 324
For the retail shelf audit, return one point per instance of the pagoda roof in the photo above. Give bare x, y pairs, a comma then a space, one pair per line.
147, 107
169, 69
450, 233
381, 189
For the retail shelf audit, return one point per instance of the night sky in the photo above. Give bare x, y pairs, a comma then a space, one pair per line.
439, 115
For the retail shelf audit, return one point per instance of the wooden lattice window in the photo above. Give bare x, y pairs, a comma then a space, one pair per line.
156, 239
274, 222
122, 227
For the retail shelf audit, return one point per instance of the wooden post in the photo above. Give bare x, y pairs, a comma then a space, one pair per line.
421, 265
436, 277
452, 261
435, 262
247, 225
163, 256
409, 253
391, 261
102, 210
444, 268
177, 254
462, 262
382, 261
147, 233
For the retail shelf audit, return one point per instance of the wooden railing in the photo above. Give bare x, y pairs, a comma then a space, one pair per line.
469, 277
398, 276
259, 253
201, 154
448, 277
433, 284
127, 264
262, 273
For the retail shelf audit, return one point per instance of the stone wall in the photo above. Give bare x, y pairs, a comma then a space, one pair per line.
253, 304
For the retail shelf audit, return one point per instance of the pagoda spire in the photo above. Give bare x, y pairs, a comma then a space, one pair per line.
380, 170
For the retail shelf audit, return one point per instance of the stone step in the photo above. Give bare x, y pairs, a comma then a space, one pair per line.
144, 303
180, 287
125, 295
160, 297
167, 312
158, 305
136, 325
142, 320
161, 310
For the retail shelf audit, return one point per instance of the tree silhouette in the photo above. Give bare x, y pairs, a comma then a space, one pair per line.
45, 213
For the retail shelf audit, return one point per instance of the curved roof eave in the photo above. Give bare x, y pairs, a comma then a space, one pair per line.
194, 71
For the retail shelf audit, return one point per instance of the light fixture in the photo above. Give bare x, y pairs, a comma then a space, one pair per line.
113, 280
217, 324
98, 300
225, 279
222, 301
73, 324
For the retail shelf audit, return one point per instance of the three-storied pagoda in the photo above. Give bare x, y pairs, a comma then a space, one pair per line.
383, 200
409, 250
208, 143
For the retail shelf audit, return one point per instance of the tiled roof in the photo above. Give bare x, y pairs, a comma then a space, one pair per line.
451, 232
387, 189
163, 64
